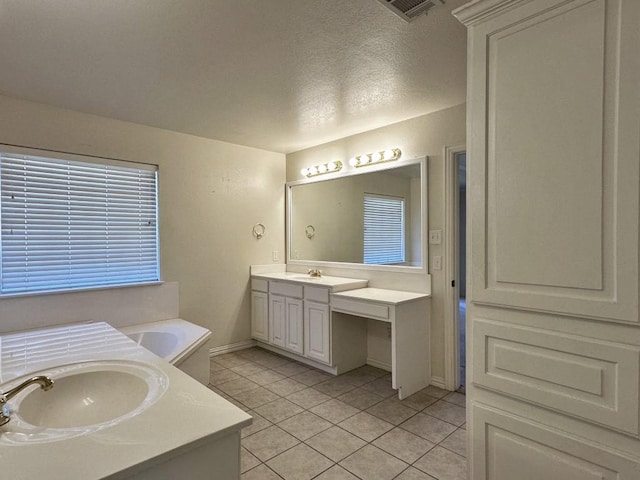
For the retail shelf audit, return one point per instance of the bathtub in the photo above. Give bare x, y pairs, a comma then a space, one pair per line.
181, 343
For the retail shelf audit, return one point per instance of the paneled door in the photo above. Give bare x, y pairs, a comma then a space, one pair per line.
553, 333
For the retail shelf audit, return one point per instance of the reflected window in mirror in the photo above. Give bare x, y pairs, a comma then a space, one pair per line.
383, 230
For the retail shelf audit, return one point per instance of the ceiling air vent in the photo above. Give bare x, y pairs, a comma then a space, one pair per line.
410, 9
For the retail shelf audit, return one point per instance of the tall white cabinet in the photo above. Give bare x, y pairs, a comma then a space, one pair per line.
553, 189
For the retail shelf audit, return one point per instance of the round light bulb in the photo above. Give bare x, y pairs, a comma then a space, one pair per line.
388, 154
322, 168
313, 170
304, 172
332, 166
376, 157
353, 161
364, 159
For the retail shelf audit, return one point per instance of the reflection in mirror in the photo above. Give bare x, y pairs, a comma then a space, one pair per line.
372, 217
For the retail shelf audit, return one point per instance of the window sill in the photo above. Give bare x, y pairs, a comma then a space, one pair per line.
83, 289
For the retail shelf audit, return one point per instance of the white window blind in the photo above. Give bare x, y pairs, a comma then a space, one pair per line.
71, 224
383, 229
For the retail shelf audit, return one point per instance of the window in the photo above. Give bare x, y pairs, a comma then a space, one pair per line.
383, 229
69, 224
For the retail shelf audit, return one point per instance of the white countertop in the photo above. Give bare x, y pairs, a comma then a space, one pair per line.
336, 284
186, 416
382, 295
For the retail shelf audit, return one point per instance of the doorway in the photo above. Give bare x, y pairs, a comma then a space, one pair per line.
455, 266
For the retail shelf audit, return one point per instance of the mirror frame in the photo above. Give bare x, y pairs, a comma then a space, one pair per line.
351, 171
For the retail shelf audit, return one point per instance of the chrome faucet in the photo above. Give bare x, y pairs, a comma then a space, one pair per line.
315, 272
5, 413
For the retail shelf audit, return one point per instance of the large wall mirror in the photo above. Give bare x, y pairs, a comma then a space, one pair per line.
370, 217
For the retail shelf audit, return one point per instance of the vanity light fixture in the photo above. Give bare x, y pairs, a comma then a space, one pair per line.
375, 157
329, 167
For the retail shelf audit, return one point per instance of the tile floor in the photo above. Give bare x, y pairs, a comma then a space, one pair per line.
311, 425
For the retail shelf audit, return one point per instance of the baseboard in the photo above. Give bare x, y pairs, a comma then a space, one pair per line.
438, 382
232, 347
298, 358
377, 363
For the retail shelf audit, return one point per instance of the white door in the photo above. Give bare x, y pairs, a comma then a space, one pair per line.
293, 330
316, 330
277, 320
553, 201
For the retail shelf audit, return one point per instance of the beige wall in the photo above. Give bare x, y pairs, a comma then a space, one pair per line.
427, 135
211, 195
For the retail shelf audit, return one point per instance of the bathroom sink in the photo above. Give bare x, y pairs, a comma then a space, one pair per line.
85, 397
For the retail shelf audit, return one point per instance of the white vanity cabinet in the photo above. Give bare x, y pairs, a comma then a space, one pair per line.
317, 324
260, 309
285, 316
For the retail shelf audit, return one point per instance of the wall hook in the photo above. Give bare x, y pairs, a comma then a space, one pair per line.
258, 230
310, 231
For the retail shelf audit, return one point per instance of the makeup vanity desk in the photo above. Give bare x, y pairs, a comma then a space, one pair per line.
408, 314
323, 322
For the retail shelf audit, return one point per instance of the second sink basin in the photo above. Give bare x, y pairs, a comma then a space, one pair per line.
85, 397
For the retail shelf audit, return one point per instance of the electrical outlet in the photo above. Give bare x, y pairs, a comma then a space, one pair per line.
275, 256
435, 237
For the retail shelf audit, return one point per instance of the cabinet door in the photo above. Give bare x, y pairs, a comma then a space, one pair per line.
277, 316
316, 331
260, 316
293, 329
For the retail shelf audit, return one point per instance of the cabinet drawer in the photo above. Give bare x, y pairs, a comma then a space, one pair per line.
363, 309
286, 289
317, 294
259, 285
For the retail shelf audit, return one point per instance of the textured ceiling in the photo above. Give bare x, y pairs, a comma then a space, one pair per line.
282, 75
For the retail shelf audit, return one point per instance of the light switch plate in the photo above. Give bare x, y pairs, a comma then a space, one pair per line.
437, 262
275, 256
435, 237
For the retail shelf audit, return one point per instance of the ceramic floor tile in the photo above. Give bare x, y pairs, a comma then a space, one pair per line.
372, 463
456, 442
230, 360
404, 445
419, 400
336, 473
360, 398
274, 361
304, 425
414, 474
278, 410
456, 398
237, 386
360, 376
269, 442
366, 426
261, 472
443, 464
215, 366
256, 397
223, 376
285, 387
247, 460
259, 423
448, 412
291, 369
334, 387
435, 391
248, 369
266, 377
312, 377
381, 386
428, 427
299, 463
334, 410
308, 398
335, 443
392, 411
